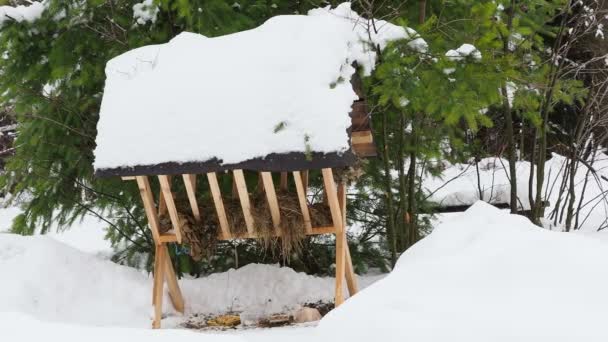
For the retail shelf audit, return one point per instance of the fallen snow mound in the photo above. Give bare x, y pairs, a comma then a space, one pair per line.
485, 276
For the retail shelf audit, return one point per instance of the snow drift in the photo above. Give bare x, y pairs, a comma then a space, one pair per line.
485, 276
281, 87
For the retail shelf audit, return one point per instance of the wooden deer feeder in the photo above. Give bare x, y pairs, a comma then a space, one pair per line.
273, 100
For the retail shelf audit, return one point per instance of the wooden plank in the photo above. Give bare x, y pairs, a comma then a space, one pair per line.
127, 178
241, 187
336, 214
283, 184
322, 230
273, 202
165, 186
315, 231
190, 184
146, 196
351, 277
159, 267
174, 291
363, 137
305, 181
165, 238
300, 189
219, 204
162, 204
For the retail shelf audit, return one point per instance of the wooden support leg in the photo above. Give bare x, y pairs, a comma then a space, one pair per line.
159, 267
351, 277
336, 215
174, 292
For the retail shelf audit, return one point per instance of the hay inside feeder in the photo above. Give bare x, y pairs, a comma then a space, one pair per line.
202, 237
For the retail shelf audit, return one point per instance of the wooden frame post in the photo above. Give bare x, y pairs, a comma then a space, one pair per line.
163, 269
336, 216
351, 277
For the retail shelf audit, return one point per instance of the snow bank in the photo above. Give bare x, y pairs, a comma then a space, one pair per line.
54, 282
485, 276
29, 13
278, 88
51, 281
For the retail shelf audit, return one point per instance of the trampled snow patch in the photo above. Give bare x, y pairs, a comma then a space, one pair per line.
484, 276
281, 87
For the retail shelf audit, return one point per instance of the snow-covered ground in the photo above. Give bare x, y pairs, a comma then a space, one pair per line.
459, 185
484, 275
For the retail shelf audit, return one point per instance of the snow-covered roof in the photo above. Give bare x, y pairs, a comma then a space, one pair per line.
279, 89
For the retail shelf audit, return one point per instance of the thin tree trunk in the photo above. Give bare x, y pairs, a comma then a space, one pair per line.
539, 209
508, 118
390, 215
402, 187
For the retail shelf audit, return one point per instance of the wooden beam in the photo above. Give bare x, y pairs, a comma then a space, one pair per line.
159, 267
241, 187
162, 204
283, 184
351, 277
363, 137
336, 214
146, 196
301, 190
166, 238
165, 186
174, 292
273, 202
128, 178
305, 181
219, 204
190, 184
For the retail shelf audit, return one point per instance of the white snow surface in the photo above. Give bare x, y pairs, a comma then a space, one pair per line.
145, 11
485, 275
458, 185
52, 281
465, 50
226, 97
28, 13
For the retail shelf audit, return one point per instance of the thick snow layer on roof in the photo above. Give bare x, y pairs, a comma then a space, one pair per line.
29, 13
484, 276
282, 87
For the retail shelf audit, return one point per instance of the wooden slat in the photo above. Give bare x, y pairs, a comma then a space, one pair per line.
165, 186
159, 267
273, 202
190, 184
283, 184
351, 277
300, 189
174, 291
127, 178
219, 204
146, 196
165, 238
305, 181
315, 231
162, 204
363, 137
241, 187
323, 230
336, 214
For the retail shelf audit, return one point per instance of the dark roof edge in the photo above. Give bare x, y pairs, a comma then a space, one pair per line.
274, 162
